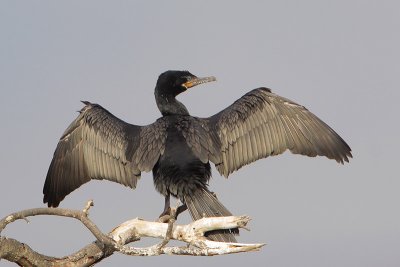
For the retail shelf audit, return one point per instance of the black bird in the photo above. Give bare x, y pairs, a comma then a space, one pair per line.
178, 147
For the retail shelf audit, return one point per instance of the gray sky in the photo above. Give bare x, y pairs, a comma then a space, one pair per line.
340, 59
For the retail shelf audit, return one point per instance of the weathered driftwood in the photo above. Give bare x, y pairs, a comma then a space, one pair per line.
130, 231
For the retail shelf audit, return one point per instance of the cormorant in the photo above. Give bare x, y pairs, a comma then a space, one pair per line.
178, 147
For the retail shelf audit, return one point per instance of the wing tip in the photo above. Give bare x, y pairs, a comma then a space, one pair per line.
51, 201
87, 103
344, 158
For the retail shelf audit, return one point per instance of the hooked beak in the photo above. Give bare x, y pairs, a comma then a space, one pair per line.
196, 81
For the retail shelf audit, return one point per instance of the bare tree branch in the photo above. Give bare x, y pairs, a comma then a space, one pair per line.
127, 232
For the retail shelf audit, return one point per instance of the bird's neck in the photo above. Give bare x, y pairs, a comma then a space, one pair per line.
169, 105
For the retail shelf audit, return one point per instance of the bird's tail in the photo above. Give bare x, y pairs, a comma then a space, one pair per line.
203, 203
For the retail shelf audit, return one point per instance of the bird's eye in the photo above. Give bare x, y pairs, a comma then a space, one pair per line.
181, 81
187, 78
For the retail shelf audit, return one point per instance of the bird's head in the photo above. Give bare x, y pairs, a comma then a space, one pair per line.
173, 82
170, 84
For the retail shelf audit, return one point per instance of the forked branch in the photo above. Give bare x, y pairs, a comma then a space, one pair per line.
105, 245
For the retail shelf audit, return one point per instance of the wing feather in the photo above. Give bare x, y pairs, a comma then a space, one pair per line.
262, 124
97, 145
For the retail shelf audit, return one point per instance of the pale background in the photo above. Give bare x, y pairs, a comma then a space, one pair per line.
338, 58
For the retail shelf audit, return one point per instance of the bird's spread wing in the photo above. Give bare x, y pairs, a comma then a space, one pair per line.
262, 124
97, 145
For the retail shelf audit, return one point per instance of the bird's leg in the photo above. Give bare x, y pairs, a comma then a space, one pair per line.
180, 209
167, 208
165, 215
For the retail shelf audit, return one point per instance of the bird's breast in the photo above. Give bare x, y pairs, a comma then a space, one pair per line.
179, 171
